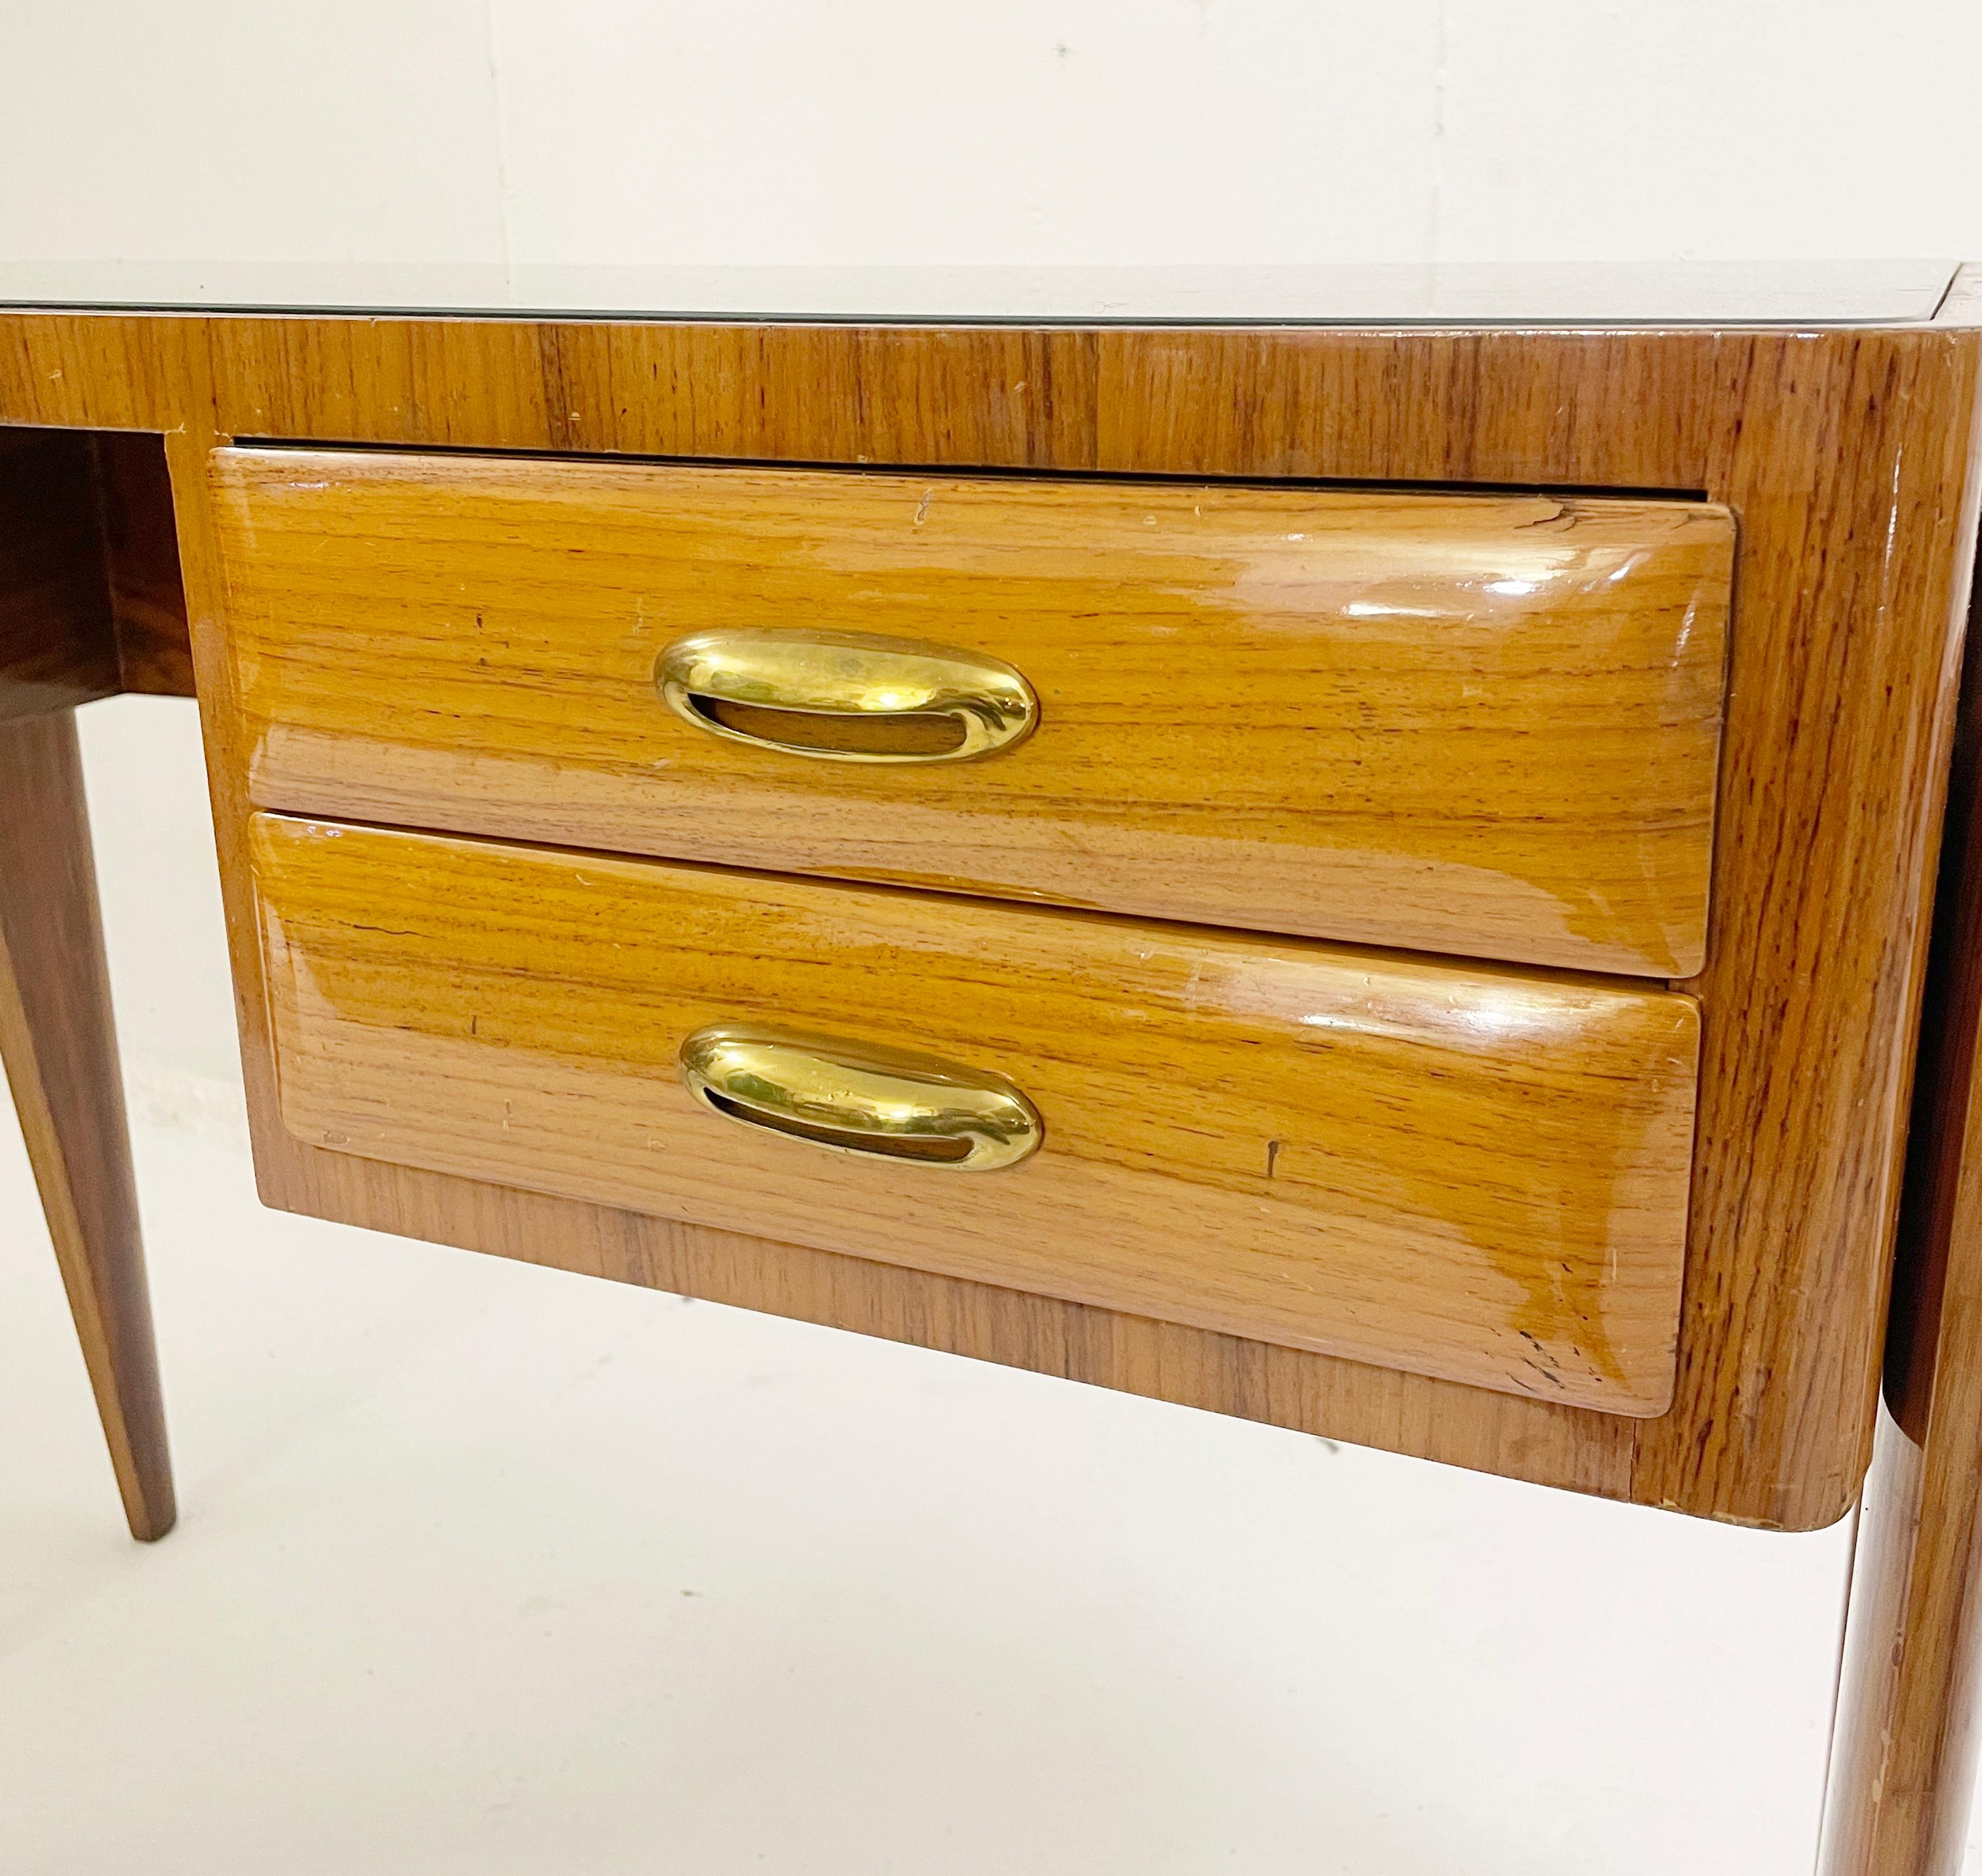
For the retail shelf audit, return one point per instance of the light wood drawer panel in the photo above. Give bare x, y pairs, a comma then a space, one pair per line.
1485, 724
1480, 1174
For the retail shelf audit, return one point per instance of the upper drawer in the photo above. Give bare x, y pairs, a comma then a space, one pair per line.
1476, 1172
1475, 724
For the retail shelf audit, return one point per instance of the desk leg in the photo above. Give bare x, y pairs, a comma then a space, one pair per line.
1903, 1749
61, 1053
1903, 1758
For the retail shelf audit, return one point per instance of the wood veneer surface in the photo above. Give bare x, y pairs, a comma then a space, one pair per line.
1847, 458
1473, 1172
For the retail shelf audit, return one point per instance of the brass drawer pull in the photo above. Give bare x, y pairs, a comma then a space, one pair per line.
847, 697
860, 1097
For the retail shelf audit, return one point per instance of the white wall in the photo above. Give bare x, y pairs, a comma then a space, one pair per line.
922, 131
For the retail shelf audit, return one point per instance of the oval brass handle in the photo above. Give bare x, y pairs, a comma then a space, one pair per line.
860, 1097
847, 697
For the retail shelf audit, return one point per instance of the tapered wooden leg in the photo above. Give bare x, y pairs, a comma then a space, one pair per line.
1903, 1767
1903, 1749
61, 1052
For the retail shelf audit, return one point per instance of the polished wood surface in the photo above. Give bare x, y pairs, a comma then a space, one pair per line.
59, 647
1474, 1173
1843, 453
61, 1055
140, 557
1903, 1757
91, 600
1900, 1790
1486, 725
57, 639
1946, 1121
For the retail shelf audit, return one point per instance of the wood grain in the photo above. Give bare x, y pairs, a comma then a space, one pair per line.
1901, 1774
1901, 1785
1845, 455
1473, 1173
141, 555
1903, 1755
57, 640
91, 600
1482, 725
61, 1055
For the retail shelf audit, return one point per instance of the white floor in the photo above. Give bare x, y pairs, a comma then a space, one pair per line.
483, 1568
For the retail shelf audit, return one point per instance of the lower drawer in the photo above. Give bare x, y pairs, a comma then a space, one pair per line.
1479, 1173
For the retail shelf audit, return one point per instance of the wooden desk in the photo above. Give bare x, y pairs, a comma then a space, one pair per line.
1394, 860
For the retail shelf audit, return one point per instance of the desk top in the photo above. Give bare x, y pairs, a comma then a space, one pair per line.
1610, 294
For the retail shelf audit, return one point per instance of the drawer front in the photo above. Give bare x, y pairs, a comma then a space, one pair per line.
1479, 1173
1484, 724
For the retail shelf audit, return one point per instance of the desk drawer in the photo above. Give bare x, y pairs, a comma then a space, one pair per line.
1484, 724
1480, 1174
